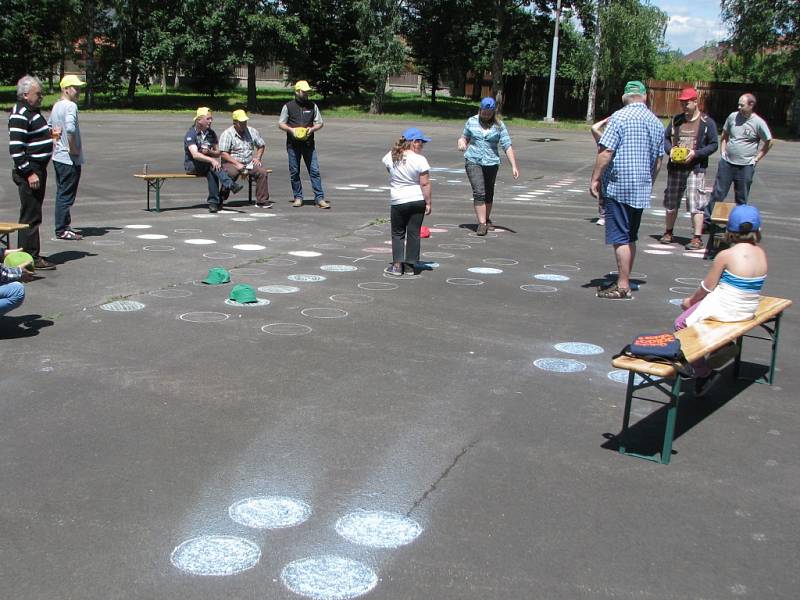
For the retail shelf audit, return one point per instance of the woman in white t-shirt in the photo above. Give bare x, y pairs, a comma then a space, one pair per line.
410, 199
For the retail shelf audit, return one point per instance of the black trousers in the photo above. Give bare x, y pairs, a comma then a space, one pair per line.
30, 210
406, 221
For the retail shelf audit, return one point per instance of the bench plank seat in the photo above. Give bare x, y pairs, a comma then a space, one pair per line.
155, 181
8, 228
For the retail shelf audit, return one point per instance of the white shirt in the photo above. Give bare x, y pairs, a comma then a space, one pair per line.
404, 176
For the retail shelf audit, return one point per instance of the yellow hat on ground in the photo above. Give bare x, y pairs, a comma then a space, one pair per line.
71, 81
302, 85
203, 111
239, 115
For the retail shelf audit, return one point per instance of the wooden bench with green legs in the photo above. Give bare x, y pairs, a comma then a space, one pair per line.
6, 229
719, 223
155, 182
701, 339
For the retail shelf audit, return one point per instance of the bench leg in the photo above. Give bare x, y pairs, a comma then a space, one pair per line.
774, 357
156, 185
626, 415
672, 417
774, 336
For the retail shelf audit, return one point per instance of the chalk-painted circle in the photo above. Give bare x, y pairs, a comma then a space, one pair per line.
377, 250
676, 301
258, 302
281, 262
661, 246
485, 270
204, 216
695, 254
108, 243
237, 234
243, 219
352, 298
621, 376
169, 293
657, 252
633, 274
339, 268
158, 248
455, 246
216, 555
562, 268
306, 277
122, 306
188, 230
138, 226
559, 365
350, 238
269, 512
501, 262
203, 317
249, 247
199, 242
328, 577
581, 348
305, 253
152, 236
438, 255
378, 529
551, 277
248, 272
358, 185
688, 280
324, 313
438, 230
682, 290
473, 239
446, 226
278, 289
658, 212
377, 286
464, 281
542, 289
267, 215
326, 246
286, 329
219, 255
280, 238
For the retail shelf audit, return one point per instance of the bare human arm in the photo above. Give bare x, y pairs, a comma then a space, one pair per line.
425, 184
604, 156
709, 282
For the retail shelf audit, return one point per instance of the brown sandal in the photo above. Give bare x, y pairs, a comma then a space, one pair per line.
614, 293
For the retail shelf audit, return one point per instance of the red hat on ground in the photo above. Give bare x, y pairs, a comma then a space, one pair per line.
688, 93
424, 232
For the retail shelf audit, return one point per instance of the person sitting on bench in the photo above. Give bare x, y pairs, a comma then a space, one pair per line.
731, 290
242, 148
201, 157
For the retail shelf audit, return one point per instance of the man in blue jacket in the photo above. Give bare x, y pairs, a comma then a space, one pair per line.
689, 139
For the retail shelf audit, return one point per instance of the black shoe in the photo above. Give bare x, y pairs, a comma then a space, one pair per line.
42, 264
212, 208
702, 385
482, 229
237, 187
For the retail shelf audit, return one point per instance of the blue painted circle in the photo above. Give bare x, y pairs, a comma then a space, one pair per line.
621, 376
551, 277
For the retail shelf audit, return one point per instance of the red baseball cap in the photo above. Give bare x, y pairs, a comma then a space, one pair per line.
688, 93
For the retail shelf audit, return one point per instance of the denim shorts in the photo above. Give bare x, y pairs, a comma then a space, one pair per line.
622, 222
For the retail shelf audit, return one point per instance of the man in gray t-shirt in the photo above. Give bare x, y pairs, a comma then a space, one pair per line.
745, 140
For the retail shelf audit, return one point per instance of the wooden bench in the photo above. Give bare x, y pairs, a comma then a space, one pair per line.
7, 229
155, 181
700, 340
719, 222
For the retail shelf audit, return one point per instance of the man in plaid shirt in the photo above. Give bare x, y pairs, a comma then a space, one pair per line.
628, 159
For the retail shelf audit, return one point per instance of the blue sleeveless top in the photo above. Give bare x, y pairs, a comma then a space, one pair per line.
745, 284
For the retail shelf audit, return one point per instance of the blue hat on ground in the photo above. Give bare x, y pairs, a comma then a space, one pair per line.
488, 103
743, 215
412, 134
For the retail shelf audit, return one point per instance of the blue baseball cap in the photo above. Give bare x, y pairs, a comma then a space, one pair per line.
488, 103
741, 214
412, 134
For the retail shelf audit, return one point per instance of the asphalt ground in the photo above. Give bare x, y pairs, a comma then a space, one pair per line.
126, 435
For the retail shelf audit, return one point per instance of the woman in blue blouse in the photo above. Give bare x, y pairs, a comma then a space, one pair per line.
479, 142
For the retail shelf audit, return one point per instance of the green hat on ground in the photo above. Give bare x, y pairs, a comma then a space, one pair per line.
217, 276
15, 259
635, 87
243, 294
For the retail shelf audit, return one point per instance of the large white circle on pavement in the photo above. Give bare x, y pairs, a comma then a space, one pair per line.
326, 246
688, 280
156, 248
138, 226
485, 270
185, 230
269, 512
216, 555
438, 230
305, 253
559, 365
237, 234
219, 255
205, 216
358, 185
199, 242
455, 246
263, 215
445, 225
378, 286
278, 289
249, 247
243, 219
122, 306
695, 253
579, 348
682, 290
324, 313
464, 281
661, 246
658, 252
438, 254
329, 577
633, 274
281, 238
621, 376
306, 277
286, 329
377, 250
551, 277
152, 236
378, 529
339, 268
171, 293
562, 268
501, 262
542, 289
108, 242
203, 317
352, 298
258, 302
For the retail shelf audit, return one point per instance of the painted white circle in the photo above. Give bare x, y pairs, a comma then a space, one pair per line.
676, 301
205, 216
378, 529
345, 188
473, 239
377, 250
658, 212
263, 215
243, 219
269, 512
339, 268
152, 236
248, 272
122, 306
330, 246
219, 255
485, 270
377, 286
551, 277
621, 376
542, 289
279, 238
582, 348
324, 313
156, 248
657, 252
281, 262
306, 277
138, 226
688, 280
633, 274
199, 242
278, 289
286, 329
438, 230
438, 255
501, 262
455, 246
305, 253
559, 365
350, 238
188, 230
249, 247
108, 243
352, 298
358, 185
562, 268
216, 555
328, 577
661, 246
464, 281
695, 253
258, 302
446, 225
682, 290
203, 317
237, 234
171, 293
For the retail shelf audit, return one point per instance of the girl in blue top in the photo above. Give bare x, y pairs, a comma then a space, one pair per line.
479, 142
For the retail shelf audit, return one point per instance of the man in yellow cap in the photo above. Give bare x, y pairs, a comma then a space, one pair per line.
202, 157
300, 118
67, 154
242, 148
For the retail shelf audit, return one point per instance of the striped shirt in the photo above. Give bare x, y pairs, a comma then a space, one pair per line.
29, 138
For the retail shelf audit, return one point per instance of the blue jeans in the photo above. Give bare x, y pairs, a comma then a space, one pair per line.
216, 179
67, 178
741, 176
11, 296
308, 153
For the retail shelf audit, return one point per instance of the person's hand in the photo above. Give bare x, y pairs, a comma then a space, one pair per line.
216, 164
690, 156
427, 209
515, 172
257, 162
594, 188
462, 144
33, 181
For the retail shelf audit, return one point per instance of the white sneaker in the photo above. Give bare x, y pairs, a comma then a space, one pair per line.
601, 221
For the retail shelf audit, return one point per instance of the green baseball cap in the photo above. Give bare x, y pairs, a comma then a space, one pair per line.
15, 259
635, 87
217, 276
243, 294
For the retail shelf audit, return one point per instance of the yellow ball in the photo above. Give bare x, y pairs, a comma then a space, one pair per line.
300, 133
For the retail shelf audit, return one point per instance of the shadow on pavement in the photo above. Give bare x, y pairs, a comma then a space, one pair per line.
12, 327
61, 258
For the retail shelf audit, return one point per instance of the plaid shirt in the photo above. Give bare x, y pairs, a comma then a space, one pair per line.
240, 147
637, 138
483, 143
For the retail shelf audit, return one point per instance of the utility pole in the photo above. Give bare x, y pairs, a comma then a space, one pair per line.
553, 63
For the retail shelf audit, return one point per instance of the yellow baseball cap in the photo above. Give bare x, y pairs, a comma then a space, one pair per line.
302, 85
239, 115
203, 111
70, 81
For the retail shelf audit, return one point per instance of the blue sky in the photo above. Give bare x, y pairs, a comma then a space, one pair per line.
691, 24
